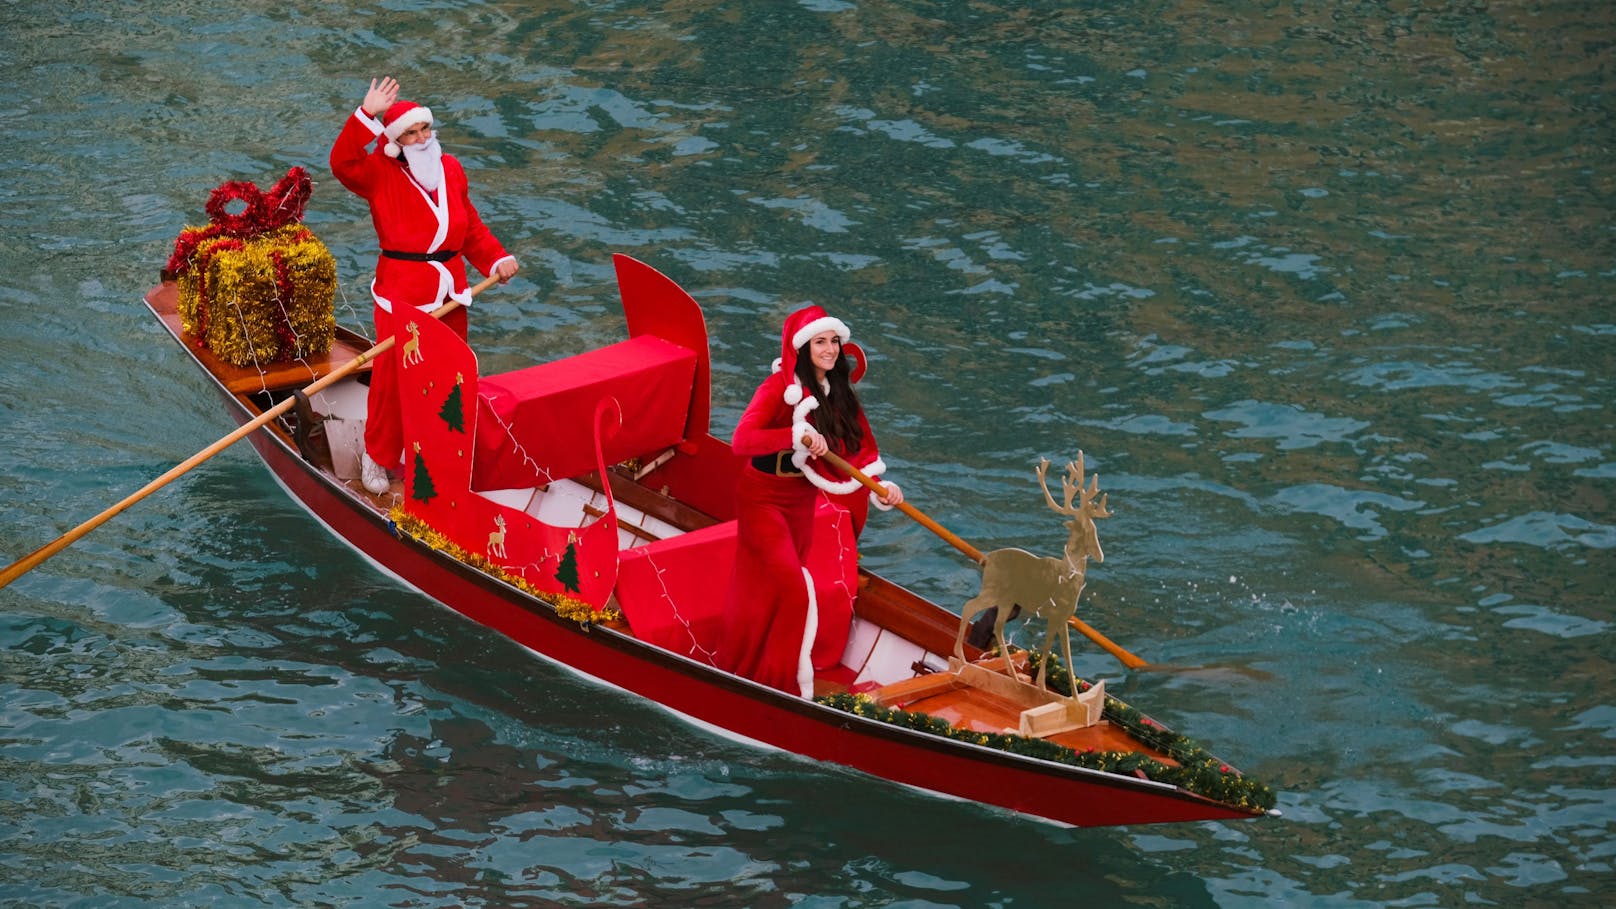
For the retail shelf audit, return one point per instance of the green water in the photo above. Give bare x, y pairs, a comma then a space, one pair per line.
1320, 290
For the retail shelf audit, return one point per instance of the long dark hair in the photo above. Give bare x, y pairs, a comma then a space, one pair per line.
837, 417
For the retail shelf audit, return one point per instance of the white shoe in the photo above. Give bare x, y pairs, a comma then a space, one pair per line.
374, 475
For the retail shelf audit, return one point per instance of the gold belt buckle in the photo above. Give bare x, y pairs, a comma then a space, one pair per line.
782, 462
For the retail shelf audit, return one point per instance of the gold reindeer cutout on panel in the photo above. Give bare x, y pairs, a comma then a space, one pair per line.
412, 347
1044, 586
496, 539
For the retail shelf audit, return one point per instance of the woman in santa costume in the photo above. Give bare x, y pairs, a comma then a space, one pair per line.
427, 228
805, 408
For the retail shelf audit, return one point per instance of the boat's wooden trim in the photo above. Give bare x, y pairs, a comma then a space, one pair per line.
908, 691
909, 615
623, 524
663, 507
164, 301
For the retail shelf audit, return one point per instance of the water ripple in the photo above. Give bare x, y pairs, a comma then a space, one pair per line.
1324, 296
1293, 427
1550, 530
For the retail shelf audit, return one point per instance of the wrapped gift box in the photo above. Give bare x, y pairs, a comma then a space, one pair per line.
256, 286
260, 300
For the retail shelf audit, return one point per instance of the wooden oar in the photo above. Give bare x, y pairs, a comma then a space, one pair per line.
32, 560
1088, 631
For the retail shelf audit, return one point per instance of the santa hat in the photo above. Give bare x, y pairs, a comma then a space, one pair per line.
800, 327
398, 118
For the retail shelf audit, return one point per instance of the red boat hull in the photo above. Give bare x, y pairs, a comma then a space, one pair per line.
1028, 786
692, 689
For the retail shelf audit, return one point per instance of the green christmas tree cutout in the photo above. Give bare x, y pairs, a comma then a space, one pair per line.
422, 488
567, 572
453, 412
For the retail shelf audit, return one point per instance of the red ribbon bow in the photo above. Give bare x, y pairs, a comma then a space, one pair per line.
263, 212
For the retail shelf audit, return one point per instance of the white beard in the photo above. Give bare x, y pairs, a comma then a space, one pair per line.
426, 162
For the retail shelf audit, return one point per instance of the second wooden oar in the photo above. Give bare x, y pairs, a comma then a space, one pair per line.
1128, 659
28, 562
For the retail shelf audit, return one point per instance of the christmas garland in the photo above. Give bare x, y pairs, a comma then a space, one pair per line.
567, 607
1197, 771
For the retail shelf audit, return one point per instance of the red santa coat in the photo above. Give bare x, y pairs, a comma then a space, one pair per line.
772, 619
780, 427
408, 219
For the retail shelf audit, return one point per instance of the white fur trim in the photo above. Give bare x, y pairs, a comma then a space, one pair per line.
830, 486
374, 124
801, 409
446, 289
382, 303
444, 293
824, 323
876, 500
810, 630
775, 366
392, 131
406, 120
849, 485
799, 428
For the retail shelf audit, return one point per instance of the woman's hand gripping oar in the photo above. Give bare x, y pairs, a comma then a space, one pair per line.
28, 562
1111, 647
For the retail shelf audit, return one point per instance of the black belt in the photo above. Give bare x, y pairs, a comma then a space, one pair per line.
442, 255
778, 464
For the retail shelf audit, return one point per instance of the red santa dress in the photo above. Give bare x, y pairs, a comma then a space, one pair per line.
425, 238
772, 619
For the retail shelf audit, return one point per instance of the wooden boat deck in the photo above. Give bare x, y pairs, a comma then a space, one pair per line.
971, 708
164, 301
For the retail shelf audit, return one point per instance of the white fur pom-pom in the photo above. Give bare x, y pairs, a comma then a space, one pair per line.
793, 394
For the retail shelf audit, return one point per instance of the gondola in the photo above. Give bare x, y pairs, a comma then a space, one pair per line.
582, 508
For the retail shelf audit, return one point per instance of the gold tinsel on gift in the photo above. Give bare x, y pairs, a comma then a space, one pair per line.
259, 300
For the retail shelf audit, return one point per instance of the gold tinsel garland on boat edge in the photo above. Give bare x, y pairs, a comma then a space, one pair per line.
571, 608
256, 286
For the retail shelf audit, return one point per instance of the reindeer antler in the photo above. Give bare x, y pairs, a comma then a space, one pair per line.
1043, 481
1074, 473
1074, 478
1073, 486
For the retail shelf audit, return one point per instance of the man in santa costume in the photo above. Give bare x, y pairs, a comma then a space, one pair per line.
427, 228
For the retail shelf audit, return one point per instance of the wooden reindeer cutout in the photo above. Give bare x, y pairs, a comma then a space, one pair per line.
1046, 587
